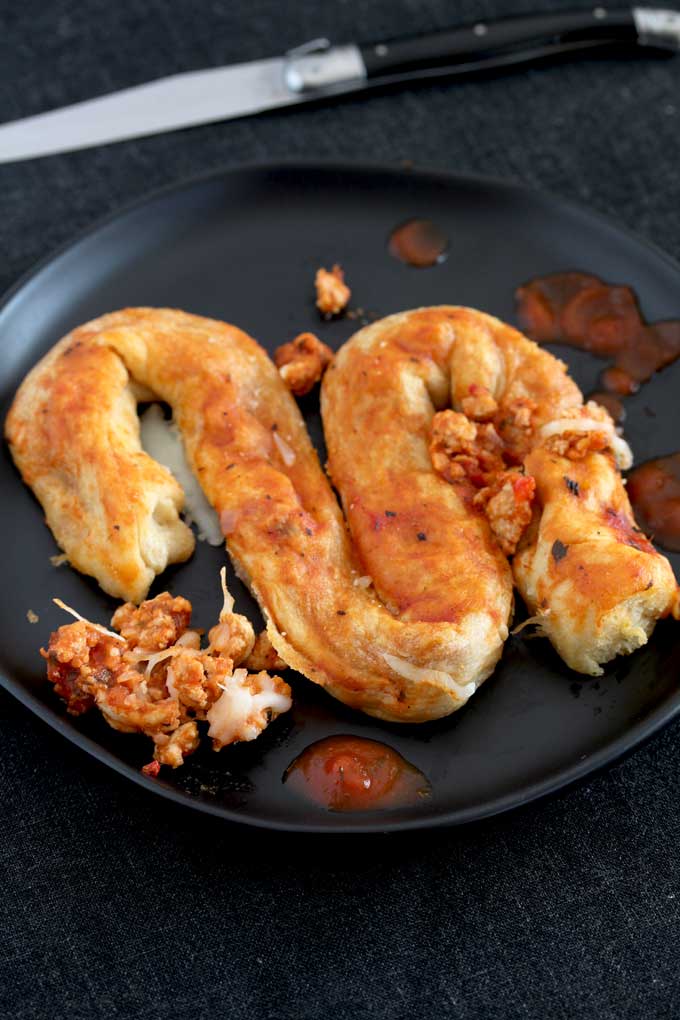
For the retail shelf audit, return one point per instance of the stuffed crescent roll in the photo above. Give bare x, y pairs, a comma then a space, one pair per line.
403, 655
595, 583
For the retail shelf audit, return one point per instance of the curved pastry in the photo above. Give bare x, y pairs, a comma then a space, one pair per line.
429, 553
74, 436
594, 581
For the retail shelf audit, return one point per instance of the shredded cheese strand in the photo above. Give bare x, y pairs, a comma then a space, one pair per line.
167, 653
435, 676
537, 619
97, 626
228, 606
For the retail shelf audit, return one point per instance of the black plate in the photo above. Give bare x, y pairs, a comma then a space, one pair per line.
243, 246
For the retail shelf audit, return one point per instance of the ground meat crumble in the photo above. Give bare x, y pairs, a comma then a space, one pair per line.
302, 362
332, 293
156, 679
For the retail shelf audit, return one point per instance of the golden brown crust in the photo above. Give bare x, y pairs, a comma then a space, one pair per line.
601, 597
592, 577
283, 526
74, 435
429, 552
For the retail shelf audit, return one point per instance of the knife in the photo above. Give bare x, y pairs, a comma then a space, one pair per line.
318, 71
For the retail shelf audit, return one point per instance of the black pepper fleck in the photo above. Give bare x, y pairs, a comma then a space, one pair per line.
341, 612
572, 486
390, 513
422, 537
559, 550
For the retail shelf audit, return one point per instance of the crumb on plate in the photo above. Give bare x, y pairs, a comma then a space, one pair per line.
332, 293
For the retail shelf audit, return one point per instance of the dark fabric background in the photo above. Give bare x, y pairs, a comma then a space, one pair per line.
114, 905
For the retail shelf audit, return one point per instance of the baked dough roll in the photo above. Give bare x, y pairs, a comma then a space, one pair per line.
74, 436
428, 552
595, 583
73, 431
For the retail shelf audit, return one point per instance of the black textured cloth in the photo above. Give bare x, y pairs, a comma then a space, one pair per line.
115, 905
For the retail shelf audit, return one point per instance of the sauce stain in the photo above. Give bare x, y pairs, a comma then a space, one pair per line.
418, 243
654, 491
346, 773
584, 311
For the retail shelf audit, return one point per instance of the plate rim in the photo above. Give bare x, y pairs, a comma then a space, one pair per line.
587, 765
633, 738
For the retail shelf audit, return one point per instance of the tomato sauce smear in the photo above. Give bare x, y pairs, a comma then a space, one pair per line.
654, 491
345, 773
419, 243
584, 311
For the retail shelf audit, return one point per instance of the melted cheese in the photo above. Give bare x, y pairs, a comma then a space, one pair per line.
241, 714
436, 676
161, 440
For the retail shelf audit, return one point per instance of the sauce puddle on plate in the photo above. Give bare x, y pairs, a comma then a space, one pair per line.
419, 243
346, 773
581, 310
654, 491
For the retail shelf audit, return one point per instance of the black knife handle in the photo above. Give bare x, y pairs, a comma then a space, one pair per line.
571, 30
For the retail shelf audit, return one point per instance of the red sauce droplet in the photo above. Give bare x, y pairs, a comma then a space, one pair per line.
611, 404
654, 491
584, 311
418, 243
355, 774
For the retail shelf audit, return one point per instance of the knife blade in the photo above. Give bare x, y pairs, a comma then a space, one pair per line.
317, 71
